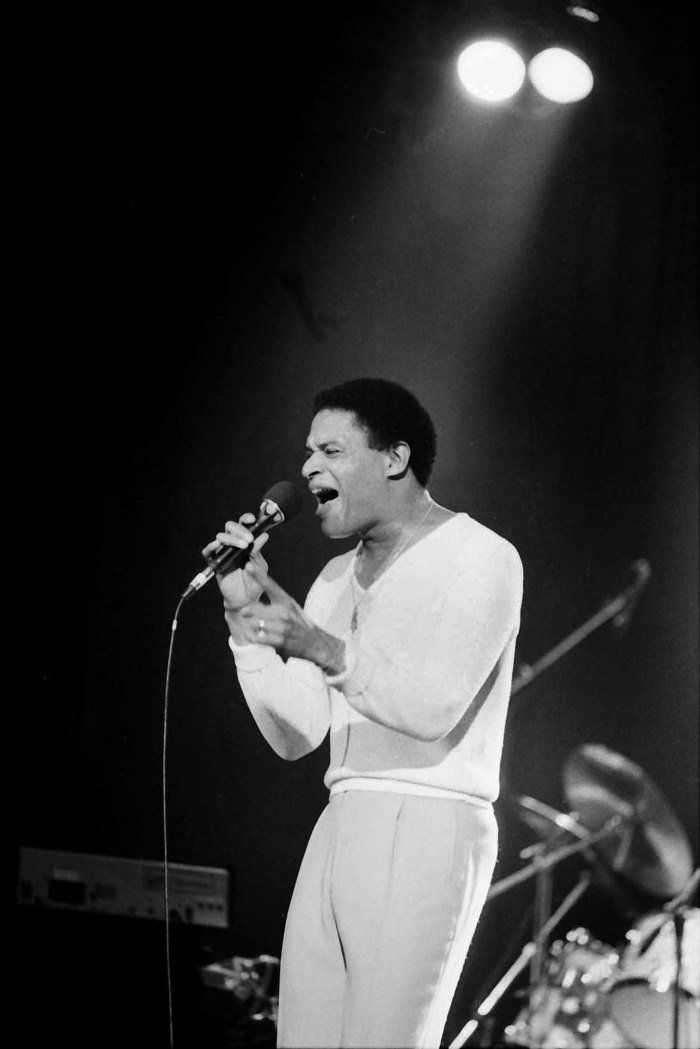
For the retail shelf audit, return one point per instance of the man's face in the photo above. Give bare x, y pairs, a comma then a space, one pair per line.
347, 477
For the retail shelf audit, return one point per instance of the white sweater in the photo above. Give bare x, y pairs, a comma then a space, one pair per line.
424, 698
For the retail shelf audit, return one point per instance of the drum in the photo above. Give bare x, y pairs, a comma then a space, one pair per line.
642, 996
568, 1010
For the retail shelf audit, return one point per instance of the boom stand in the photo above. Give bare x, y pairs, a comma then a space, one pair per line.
619, 609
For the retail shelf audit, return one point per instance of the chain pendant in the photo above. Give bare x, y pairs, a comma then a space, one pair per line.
383, 567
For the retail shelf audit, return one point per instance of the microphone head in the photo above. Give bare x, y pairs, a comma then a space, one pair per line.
286, 497
642, 571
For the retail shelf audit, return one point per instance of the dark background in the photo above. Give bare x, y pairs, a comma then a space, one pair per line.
220, 214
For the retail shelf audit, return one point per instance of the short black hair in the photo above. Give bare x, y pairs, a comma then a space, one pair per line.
390, 413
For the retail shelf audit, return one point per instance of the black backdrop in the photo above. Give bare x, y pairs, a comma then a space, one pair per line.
219, 214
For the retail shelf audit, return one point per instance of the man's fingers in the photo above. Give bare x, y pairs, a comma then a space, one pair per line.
260, 542
236, 535
271, 615
273, 589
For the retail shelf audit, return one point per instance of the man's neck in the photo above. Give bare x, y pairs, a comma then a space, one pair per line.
382, 540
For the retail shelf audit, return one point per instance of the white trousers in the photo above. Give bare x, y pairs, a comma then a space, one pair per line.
384, 909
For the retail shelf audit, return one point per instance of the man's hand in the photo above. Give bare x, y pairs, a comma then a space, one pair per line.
284, 625
239, 588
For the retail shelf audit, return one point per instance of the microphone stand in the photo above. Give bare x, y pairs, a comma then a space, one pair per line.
619, 609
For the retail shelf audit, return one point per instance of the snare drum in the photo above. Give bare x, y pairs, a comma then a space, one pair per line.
642, 997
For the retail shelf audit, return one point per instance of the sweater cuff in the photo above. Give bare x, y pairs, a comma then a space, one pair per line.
252, 657
354, 678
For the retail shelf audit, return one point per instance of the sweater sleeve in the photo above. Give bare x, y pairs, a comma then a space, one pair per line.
417, 672
289, 701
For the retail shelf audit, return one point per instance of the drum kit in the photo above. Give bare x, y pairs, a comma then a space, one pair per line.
584, 994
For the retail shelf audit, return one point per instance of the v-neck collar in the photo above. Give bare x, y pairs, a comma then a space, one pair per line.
354, 581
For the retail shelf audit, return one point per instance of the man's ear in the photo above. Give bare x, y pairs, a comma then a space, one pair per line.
398, 459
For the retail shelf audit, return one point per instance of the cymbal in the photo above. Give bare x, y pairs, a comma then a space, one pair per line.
652, 850
544, 819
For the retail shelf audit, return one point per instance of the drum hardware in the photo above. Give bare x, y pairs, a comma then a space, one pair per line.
656, 997
582, 994
655, 856
546, 858
547, 821
568, 1007
615, 805
542, 913
553, 825
611, 828
681, 915
679, 904
533, 952
525, 957
686, 893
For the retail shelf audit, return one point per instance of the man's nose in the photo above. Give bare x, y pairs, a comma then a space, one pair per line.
309, 468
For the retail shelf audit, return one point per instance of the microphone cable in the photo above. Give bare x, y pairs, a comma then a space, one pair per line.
166, 896
280, 503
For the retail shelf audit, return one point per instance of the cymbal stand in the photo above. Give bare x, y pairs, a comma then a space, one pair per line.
678, 926
543, 910
612, 826
678, 908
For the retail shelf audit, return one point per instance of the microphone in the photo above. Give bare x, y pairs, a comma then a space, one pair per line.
280, 503
641, 571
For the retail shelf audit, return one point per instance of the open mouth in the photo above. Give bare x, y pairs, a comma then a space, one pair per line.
325, 495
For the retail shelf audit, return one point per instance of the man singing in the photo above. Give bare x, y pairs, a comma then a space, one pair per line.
404, 652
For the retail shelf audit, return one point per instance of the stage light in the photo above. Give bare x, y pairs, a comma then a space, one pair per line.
491, 70
554, 53
560, 75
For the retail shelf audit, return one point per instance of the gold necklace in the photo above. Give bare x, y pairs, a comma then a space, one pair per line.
394, 556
